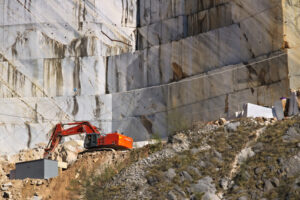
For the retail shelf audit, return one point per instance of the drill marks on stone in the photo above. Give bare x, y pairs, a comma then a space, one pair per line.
80, 13
18, 96
84, 11
162, 31
78, 16
127, 12
13, 77
83, 46
53, 77
59, 79
36, 113
161, 78
226, 110
20, 40
248, 44
106, 77
29, 134
196, 23
75, 106
57, 48
99, 104
34, 90
78, 47
18, 87
76, 77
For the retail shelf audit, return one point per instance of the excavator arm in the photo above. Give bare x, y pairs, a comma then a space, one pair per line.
59, 132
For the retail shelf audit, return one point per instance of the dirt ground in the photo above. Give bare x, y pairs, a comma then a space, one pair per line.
57, 188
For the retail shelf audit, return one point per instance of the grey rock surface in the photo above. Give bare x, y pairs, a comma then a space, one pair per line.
275, 181
171, 196
278, 109
258, 147
292, 165
170, 174
224, 183
194, 170
232, 127
186, 176
268, 186
243, 198
293, 105
292, 135
206, 186
245, 154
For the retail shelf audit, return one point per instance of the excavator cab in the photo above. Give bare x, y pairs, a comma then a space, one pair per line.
91, 140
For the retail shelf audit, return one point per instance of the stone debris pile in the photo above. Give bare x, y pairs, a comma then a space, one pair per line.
68, 151
285, 107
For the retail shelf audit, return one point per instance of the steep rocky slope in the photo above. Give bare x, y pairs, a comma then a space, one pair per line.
244, 159
247, 159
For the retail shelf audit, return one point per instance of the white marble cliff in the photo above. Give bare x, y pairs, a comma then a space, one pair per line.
140, 67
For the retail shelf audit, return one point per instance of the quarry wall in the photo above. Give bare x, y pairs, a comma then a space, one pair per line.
142, 67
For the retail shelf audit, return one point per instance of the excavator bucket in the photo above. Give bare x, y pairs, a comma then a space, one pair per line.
115, 141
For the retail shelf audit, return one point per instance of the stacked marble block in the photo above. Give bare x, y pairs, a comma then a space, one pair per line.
201, 60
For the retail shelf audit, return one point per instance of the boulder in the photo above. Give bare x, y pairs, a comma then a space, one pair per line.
297, 184
206, 186
279, 110
171, 196
180, 142
194, 170
201, 163
275, 181
39, 182
224, 182
68, 151
152, 180
243, 198
222, 121
292, 165
292, 135
218, 155
258, 147
6, 186
36, 197
245, 154
170, 174
179, 191
185, 176
6, 195
257, 170
194, 151
293, 105
232, 127
268, 186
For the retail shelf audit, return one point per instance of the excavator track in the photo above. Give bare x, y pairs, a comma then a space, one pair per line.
97, 149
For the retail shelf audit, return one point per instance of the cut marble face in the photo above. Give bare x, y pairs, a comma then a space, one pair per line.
175, 63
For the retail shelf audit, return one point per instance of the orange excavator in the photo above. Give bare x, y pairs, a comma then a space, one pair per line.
93, 138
